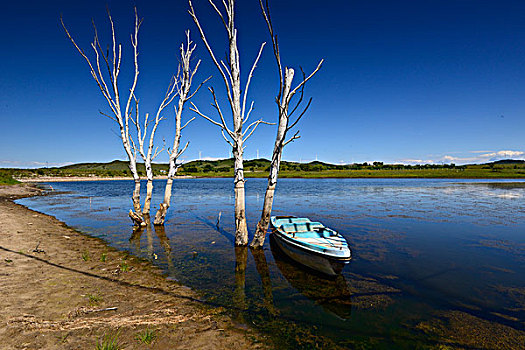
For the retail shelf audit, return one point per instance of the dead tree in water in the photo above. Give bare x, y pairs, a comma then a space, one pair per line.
110, 90
231, 74
283, 100
142, 131
183, 81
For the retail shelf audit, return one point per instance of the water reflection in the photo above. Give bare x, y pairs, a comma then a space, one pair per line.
239, 294
421, 246
160, 232
332, 294
262, 268
134, 240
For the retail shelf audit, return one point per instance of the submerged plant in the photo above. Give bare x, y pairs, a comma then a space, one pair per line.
147, 336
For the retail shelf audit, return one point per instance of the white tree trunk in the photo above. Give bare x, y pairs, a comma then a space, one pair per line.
108, 84
231, 74
149, 192
282, 128
284, 97
241, 228
136, 191
185, 79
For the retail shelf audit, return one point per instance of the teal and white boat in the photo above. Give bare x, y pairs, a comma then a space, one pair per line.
311, 243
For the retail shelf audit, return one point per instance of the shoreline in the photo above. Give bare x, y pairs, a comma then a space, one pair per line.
88, 178
63, 289
100, 178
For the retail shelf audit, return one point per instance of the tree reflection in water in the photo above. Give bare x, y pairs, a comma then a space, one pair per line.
239, 294
262, 268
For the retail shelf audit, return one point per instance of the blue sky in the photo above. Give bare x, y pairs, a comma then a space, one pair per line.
404, 81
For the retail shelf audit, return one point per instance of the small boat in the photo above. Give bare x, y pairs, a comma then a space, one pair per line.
311, 244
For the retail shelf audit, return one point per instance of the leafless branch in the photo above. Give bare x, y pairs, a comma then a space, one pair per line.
255, 125
308, 78
189, 121
248, 114
250, 78
294, 137
198, 87
179, 153
301, 115
208, 47
225, 138
266, 13
300, 97
107, 115
196, 110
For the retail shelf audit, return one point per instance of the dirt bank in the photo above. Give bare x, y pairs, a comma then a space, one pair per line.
64, 290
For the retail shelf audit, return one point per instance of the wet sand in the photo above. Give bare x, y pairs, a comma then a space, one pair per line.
62, 289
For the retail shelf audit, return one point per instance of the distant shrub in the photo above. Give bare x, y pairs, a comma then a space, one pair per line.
6, 178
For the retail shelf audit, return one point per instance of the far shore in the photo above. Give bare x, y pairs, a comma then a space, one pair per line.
87, 178
129, 178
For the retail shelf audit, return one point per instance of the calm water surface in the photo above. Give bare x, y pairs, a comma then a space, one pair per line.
420, 248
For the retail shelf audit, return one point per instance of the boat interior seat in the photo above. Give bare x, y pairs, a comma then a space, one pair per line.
302, 226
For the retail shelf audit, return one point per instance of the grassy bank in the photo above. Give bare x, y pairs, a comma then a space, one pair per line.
6, 178
259, 168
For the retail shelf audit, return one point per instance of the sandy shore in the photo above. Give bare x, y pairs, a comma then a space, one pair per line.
64, 290
86, 178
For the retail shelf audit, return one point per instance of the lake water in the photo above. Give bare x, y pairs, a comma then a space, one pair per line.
423, 251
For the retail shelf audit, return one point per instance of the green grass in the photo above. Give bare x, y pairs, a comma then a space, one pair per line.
147, 336
103, 257
85, 255
468, 173
94, 299
6, 178
124, 267
259, 168
108, 342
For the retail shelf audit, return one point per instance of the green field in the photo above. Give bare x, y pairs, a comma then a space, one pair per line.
260, 168
6, 177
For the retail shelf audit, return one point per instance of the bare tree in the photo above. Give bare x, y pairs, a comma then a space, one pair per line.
283, 100
236, 137
111, 64
183, 81
142, 131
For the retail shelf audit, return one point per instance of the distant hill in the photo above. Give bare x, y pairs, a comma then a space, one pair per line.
116, 165
261, 164
507, 168
508, 161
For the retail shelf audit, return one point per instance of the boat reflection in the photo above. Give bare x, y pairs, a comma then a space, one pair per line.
332, 294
